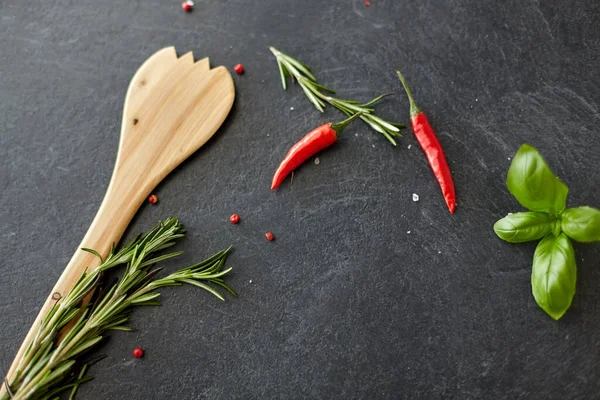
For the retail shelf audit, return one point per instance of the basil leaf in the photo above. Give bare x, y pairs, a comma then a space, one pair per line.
554, 274
533, 184
523, 227
582, 224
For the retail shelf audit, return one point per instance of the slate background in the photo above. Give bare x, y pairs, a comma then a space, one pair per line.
345, 303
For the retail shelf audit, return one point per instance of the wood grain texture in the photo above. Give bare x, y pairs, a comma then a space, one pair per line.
173, 106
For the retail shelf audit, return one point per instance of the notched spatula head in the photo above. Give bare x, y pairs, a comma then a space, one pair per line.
173, 106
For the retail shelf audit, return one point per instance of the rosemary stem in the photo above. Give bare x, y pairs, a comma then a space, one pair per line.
314, 91
28, 390
59, 356
46, 368
36, 343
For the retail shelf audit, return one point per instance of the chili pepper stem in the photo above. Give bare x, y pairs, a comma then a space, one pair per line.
338, 127
414, 110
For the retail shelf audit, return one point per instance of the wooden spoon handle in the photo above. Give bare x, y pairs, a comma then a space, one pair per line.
113, 217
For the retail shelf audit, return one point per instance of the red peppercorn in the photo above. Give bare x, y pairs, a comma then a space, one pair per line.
234, 219
187, 5
153, 199
270, 237
367, 3
138, 353
239, 69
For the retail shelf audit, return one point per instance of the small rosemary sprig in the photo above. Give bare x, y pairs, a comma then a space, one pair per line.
52, 362
315, 92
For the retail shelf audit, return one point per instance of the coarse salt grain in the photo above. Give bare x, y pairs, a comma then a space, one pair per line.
317, 161
415, 197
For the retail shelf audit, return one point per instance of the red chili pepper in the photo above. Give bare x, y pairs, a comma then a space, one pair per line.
315, 141
432, 148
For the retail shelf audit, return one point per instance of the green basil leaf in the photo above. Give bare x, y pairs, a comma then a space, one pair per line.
554, 274
533, 184
523, 227
582, 224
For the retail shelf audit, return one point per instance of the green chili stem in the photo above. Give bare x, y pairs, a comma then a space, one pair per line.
414, 110
338, 127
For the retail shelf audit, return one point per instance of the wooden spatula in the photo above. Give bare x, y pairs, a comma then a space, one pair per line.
173, 106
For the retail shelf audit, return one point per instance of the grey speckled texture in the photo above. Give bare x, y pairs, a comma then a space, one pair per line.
344, 304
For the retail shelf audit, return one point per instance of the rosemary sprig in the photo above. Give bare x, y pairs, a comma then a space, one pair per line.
315, 92
49, 366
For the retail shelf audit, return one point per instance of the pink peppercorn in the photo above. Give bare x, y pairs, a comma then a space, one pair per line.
270, 237
138, 353
239, 69
187, 5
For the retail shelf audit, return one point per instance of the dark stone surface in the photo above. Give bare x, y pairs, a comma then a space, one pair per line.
345, 303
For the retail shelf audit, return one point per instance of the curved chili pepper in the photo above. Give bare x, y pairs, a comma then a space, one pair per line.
432, 148
315, 141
